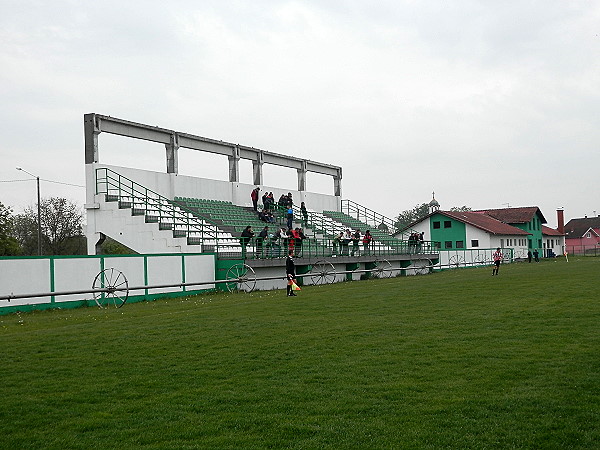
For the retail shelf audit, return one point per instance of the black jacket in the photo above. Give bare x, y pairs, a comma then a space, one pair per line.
290, 267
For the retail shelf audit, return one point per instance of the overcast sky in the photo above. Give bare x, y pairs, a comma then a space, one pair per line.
488, 103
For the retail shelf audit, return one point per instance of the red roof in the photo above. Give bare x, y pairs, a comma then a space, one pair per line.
514, 215
484, 222
550, 231
577, 228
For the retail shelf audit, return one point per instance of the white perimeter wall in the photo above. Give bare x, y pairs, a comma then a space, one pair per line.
34, 275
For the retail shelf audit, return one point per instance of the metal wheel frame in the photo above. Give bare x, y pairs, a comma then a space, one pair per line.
456, 260
480, 258
240, 277
423, 270
323, 272
383, 269
116, 282
520, 254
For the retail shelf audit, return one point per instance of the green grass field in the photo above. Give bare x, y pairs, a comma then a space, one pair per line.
457, 359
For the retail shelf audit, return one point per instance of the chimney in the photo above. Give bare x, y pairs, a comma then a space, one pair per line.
560, 215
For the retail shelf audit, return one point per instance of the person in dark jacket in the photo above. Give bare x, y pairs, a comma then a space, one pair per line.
304, 213
260, 240
290, 272
245, 238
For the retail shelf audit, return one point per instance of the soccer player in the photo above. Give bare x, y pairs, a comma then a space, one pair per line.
497, 257
290, 271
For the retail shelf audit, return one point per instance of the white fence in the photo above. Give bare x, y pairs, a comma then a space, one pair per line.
45, 275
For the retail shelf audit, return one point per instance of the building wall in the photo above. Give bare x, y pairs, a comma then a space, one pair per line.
583, 244
482, 237
554, 243
534, 226
450, 232
518, 243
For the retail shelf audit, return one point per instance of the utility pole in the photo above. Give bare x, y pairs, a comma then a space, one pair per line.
39, 210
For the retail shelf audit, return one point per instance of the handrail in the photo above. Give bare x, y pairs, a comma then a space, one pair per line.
155, 206
373, 218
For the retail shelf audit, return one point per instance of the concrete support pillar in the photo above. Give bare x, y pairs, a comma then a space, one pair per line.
91, 130
234, 165
172, 149
337, 184
302, 177
257, 166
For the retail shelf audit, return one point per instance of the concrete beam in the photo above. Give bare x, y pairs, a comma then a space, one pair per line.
94, 124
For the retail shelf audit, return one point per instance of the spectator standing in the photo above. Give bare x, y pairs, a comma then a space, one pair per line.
282, 200
529, 255
254, 197
260, 240
245, 238
355, 241
337, 243
367, 239
536, 255
285, 239
290, 218
304, 213
346, 242
291, 242
298, 238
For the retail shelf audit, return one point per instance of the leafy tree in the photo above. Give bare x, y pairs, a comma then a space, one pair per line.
62, 228
112, 247
405, 218
9, 246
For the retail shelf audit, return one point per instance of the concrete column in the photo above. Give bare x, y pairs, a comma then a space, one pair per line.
234, 165
302, 177
172, 149
91, 130
257, 166
337, 184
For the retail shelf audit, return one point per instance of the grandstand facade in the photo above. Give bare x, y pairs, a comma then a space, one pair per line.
153, 213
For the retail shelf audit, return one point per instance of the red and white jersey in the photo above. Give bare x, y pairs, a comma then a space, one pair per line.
498, 255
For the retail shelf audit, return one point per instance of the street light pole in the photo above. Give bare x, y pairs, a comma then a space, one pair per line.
39, 210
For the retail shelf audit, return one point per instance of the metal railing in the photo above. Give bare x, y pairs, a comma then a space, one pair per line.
158, 209
269, 248
585, 250
372, 218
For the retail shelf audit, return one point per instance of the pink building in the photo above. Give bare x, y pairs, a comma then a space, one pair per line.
583, 235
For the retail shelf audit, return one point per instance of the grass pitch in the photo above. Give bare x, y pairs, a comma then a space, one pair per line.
457, 359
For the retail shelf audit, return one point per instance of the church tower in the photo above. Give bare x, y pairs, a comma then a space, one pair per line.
433, 204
